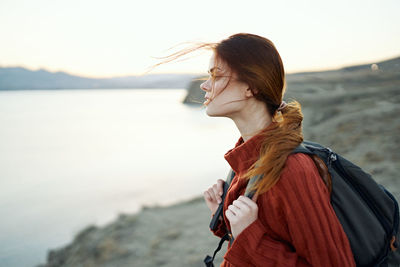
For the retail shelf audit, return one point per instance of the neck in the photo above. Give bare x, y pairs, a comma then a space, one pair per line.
252, 120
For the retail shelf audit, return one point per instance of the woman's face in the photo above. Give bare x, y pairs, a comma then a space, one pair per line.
226, 96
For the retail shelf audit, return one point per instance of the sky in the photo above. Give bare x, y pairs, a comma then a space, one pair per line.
98, 38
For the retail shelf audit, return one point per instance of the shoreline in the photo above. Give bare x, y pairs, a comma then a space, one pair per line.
176, 235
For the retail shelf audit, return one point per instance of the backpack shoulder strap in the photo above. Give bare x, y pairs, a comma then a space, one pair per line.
219, 212
303, 147
308, 147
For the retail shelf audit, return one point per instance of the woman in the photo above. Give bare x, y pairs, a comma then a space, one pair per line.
289, 221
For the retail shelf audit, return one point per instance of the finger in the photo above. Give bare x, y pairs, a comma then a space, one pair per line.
248, 201
235, 210
220, 185
230, 216
241, 205
211, 192
207, 196
218, 188
217, 193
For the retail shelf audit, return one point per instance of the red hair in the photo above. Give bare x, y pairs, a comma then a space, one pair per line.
257, 62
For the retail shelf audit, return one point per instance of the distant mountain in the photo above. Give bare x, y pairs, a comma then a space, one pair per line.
18, 78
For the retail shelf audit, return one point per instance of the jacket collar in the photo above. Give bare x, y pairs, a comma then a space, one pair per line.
244, 154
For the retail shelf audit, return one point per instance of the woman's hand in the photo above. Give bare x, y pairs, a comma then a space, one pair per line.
213, 195
241, 214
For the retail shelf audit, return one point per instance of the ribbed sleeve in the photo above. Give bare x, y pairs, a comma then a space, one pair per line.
221, 228
302, 225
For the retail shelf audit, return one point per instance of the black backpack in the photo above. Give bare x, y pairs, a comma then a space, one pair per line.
371, 222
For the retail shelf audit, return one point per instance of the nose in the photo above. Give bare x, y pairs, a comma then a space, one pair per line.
205, 86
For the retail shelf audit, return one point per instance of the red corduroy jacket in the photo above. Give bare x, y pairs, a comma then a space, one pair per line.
296, 223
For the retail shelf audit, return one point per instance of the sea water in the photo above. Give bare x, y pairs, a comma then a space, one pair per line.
71, 158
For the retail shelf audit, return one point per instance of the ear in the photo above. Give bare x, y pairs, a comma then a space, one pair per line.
249, 92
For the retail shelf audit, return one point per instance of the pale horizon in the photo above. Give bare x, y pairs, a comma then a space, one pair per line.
194, 73
100, 39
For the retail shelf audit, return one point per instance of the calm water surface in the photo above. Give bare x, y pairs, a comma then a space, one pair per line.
70, 158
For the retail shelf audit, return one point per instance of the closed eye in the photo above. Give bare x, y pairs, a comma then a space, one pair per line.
214, 69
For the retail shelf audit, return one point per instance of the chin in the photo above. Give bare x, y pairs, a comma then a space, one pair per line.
213, 113
210, 112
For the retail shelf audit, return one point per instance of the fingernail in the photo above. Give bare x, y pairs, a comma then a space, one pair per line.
219, 201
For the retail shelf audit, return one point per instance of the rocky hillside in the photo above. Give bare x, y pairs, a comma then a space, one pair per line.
354, 110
